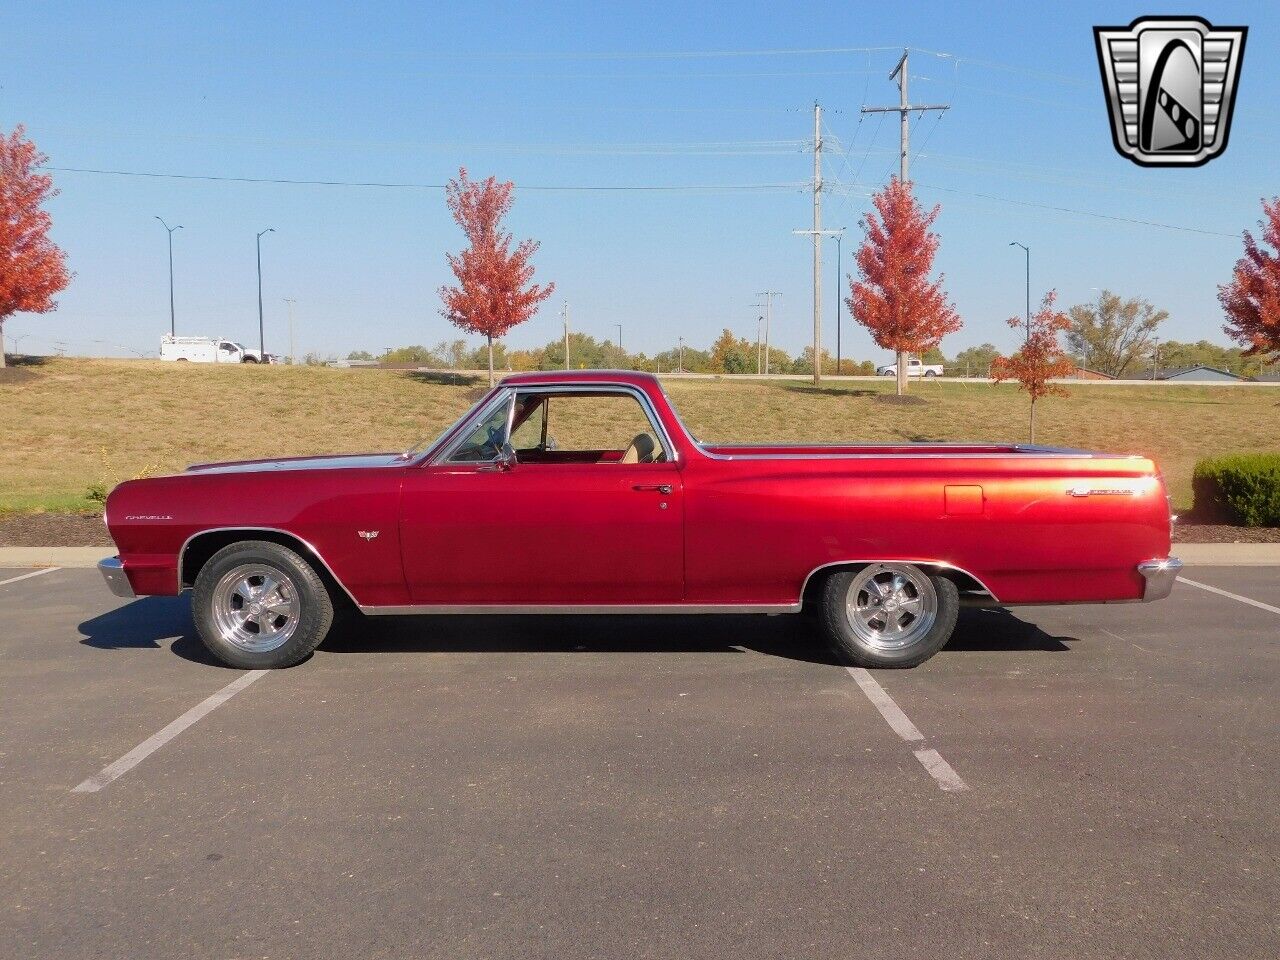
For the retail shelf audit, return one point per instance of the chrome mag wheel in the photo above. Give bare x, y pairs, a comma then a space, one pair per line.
256, 607
891, 606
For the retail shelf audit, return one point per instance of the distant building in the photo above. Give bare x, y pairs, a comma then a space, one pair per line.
1198, 374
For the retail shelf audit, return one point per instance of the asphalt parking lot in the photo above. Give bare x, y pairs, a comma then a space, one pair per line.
1059, 782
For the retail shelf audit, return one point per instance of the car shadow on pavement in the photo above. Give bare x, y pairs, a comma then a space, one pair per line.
152, 622
782, 636
992, 630
148, 623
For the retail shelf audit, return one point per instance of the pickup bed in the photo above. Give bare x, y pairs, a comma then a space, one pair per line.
583, 492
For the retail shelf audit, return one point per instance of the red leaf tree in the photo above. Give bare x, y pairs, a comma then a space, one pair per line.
493, 293
894, 299
1251, 300
32, 269
1041, 357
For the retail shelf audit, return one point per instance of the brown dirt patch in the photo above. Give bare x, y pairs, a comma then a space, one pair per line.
11, 376
1223, 533
54, 530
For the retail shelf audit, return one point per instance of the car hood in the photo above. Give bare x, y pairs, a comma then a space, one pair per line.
352, 461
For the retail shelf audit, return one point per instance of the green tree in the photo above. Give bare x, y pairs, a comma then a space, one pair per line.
730, 354
359, 355
973, 362
1113, 334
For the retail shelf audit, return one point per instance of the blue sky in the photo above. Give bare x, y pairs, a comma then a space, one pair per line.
597, 95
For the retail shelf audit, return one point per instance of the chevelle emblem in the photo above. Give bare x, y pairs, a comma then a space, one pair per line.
1099, 492
368, 534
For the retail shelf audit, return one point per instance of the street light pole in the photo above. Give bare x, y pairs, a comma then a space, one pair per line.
262, 338
292, 357
1027, 251
839, 261
173, 331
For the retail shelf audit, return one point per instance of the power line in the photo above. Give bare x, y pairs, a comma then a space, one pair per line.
744, 187
663, 54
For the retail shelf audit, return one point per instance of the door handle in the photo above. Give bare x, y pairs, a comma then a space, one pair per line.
662, 488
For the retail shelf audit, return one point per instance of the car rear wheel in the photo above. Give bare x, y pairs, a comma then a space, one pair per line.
888, 614
259, 605
931, 373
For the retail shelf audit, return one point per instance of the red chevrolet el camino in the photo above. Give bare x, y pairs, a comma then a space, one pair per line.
584, 493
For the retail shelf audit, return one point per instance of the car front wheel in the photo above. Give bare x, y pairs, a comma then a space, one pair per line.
888, 614
259, 605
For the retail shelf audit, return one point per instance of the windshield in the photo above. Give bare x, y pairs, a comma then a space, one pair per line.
425, 444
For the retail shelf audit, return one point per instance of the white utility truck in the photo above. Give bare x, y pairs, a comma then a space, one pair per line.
914, 369
208, 350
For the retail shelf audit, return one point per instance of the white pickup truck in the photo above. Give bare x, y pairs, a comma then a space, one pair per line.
914, 369
209, 350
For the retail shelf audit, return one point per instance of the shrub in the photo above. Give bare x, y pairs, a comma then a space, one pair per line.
1241, 488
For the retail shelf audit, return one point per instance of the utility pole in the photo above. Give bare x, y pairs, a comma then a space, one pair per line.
173, 331
817, 243
768, 316
681, 340
619, 326
292, 356
759, 344
904, 110
564, 312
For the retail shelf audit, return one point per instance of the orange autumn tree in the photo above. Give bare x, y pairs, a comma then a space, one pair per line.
32, 269
1041, 357
904, 311
1251, 300
493, 293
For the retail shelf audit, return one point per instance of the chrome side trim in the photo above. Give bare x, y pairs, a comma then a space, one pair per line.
942, 564
561, 609
112, 571
287, 533
1160, 576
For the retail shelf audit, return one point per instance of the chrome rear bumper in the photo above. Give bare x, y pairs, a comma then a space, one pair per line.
112, 571
1160, 575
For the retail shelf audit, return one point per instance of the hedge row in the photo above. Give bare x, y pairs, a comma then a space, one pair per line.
1239, 488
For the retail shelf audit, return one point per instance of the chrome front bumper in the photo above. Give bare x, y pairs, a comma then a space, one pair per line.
113, 572
1160, 576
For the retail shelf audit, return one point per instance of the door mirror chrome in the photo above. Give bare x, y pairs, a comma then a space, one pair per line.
506, 459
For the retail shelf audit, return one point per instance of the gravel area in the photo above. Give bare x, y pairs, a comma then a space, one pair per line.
86, 530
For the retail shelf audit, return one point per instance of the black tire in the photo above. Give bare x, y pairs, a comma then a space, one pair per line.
856, 651
314, 606
182, 360
248, 360
931, 373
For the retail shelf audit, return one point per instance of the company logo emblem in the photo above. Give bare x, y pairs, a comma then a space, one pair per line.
367, 534
1170, 84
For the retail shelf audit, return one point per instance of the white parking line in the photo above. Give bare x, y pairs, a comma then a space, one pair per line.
28, 576
1234, 596
153, 743
930, 759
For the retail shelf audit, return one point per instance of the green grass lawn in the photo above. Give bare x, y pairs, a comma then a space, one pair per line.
78, 423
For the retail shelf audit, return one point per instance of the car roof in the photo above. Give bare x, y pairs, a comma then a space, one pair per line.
631, 378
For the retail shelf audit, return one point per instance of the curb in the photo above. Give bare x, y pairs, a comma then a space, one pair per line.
70, 557
1194, 554
1229, 554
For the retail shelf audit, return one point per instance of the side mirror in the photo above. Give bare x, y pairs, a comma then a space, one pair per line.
505, 460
